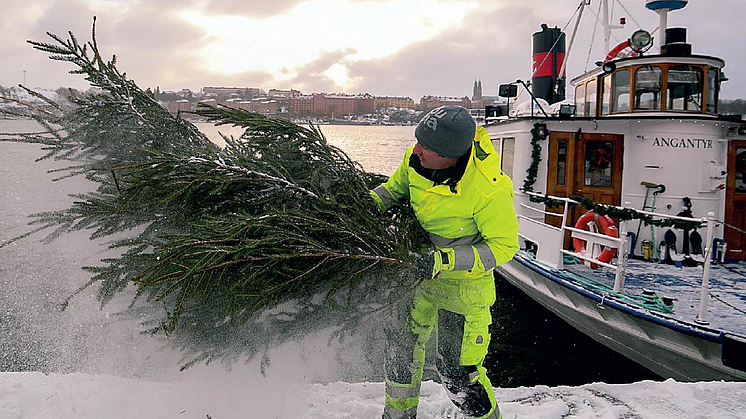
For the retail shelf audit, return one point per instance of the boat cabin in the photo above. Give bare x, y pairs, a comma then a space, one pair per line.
655, 84
642, 145
645, 131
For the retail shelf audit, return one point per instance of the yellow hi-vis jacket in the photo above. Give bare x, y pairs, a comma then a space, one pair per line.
476, 225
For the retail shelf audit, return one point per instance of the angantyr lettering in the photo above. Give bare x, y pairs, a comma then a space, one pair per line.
698, 143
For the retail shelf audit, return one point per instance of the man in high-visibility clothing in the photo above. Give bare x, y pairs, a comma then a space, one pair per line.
452, 179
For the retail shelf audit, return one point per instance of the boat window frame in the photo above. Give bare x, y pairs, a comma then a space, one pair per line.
612, 104
702, 92
716, 90
580, 105
501, 154
605, 94
562, 158
591, 106
635, 96
704, 69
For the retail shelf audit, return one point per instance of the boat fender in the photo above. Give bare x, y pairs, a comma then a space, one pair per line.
605, 225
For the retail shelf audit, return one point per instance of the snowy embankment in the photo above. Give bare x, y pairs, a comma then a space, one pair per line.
81, 396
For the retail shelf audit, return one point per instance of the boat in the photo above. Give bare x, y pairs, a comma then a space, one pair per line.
631, 199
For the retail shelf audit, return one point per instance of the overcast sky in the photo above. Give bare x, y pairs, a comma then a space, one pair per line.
383, 47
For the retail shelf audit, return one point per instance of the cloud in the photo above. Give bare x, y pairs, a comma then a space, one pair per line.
257, 9
311, 77
157, 45
449, 63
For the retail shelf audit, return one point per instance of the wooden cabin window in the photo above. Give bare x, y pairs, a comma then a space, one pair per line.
590, 98
606, 94
580, 100
712, 90
740, 183
599, 156
684, 90
620, 87
561, 161
648, 81
507, 156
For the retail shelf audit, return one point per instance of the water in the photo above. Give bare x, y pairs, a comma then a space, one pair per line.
377, 148
530, 345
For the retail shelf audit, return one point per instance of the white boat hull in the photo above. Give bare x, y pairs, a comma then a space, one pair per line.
666, 346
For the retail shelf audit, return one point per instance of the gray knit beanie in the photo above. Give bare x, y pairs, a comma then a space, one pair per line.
447, 130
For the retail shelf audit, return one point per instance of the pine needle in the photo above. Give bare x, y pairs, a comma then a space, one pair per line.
220, 238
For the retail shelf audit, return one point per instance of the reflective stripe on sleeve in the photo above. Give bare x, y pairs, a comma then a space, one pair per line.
440, 241
384, 194
486, 256
463, 258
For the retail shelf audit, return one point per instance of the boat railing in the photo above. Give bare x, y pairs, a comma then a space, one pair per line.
549, 241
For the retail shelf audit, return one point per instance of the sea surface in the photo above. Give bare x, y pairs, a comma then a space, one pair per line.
377, 148
530, 346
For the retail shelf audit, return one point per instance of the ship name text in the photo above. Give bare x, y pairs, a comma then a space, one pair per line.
682, 142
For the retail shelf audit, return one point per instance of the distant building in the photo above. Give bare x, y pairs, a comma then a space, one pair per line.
301, 105
282, 97
337, 105
284, 93
227, 92
382, 102
184, 93
264, 105
177, 106
428, 103
477, 92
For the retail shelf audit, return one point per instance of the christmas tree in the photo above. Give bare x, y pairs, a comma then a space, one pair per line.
244, 247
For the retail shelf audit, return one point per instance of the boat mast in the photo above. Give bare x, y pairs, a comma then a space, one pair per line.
607, 27
572, 38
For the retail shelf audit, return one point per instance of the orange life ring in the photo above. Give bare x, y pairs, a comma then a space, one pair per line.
605, 225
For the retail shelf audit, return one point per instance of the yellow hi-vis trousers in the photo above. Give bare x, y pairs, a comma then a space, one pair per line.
459, 311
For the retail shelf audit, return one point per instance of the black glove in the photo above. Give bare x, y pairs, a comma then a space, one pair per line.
429, 265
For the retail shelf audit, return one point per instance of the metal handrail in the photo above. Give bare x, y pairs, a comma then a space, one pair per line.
620, 267
556, 214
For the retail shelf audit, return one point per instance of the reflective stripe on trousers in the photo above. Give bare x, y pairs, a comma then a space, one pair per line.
462, 320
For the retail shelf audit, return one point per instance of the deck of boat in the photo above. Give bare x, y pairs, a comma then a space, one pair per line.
727, 289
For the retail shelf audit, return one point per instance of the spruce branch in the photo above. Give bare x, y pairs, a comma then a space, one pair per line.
221, 239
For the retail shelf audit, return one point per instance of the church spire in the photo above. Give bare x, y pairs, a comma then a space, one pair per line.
477, 91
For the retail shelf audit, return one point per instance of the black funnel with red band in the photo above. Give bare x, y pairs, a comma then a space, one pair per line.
548, 54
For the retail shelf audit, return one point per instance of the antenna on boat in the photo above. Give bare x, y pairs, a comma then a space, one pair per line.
581, 9
662, 7
608, 27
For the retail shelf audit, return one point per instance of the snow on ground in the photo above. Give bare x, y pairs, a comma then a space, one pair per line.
83, 396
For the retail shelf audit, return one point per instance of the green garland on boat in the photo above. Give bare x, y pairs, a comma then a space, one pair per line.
539, 133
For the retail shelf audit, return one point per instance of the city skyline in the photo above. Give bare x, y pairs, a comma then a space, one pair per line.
388, 48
